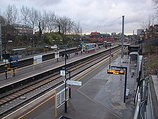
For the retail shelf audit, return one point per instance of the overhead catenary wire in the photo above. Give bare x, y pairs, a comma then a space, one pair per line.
109, 23
112, 22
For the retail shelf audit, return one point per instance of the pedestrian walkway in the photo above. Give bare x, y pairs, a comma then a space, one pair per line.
154, 95
100, 96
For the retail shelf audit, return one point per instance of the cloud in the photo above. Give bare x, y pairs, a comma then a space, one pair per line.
95, 15
44, 3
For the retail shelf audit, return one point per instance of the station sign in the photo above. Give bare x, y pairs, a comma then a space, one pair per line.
62, 72
60, 95
37, 59
76, 83
84, 45
56, 54
115, 71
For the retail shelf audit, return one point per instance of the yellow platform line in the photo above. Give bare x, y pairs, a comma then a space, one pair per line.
36, 107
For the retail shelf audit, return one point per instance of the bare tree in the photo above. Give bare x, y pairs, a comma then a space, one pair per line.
42, 22
50, 20
64, 24
156, 6
11, 14
25, 14
77, 29
155, 2
150, 22
32, 17
149, 27
2, 20
43, 19
70, 25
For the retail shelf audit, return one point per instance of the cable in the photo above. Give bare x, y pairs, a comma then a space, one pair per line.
142, 105
112, 22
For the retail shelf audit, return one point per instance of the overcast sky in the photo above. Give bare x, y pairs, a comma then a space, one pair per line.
104, 16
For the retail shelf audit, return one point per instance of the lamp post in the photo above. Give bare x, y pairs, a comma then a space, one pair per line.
65, 82
122, 39
31, 42
63, 72
69, 72
6, 56
110, 58
1, 40
57, 51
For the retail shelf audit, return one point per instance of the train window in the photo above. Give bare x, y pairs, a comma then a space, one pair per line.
133, 57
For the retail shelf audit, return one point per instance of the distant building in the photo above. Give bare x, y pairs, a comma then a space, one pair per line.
98, 37
23, 29
94, 33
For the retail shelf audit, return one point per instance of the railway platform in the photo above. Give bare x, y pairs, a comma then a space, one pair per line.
26, 72
100, 96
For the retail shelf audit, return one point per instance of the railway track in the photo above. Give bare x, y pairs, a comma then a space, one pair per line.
28, 61
21, 96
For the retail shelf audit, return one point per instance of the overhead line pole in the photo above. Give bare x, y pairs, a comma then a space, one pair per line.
122, 39
65, 81
1, 42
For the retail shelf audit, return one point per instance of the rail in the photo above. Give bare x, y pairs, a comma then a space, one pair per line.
81, 66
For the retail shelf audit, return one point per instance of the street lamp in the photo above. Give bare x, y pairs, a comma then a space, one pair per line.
69, 72
65, 82
110, 57
63, 72
122, 39
1, 41
31, 42
6, 56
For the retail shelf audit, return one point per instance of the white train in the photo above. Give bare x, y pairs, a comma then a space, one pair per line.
136, 64
88, 47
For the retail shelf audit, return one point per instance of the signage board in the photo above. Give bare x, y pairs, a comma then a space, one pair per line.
60, 87
115, 71
60, 95
37, 59
54, 47
77, 83
57, 54
62, 72
60, 98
